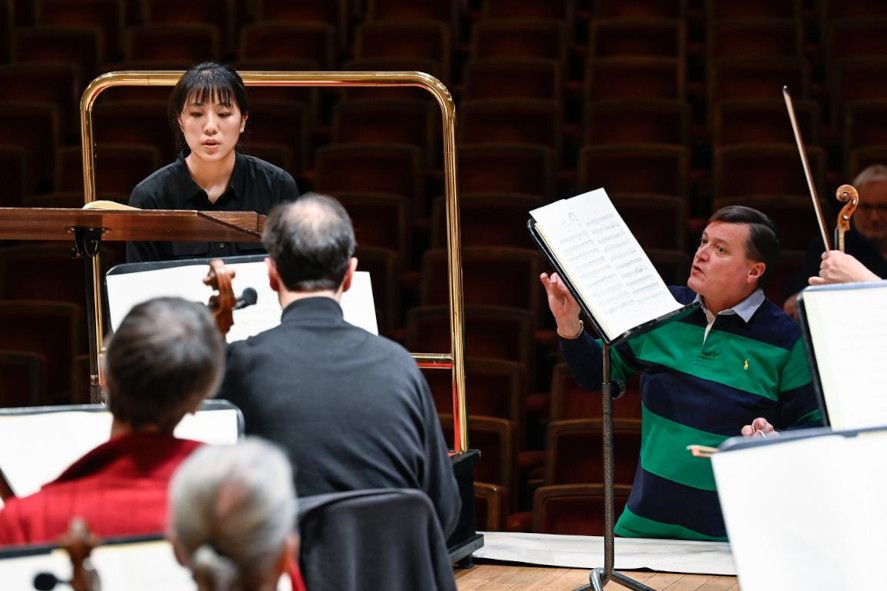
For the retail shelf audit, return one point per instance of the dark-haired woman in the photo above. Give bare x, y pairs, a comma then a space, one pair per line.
208, 110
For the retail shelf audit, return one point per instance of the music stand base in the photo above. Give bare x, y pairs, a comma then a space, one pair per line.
598, 578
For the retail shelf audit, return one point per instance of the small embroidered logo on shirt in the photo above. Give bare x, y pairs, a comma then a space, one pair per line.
745, 365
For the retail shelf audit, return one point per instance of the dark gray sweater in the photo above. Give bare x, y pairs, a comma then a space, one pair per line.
351, 409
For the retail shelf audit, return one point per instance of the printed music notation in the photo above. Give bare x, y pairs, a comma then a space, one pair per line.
603, 261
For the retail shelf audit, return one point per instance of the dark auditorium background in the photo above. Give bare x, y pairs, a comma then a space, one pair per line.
673, 106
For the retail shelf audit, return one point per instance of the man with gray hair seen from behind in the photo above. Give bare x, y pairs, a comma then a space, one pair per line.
351, 409
165, 358
232, 517
865, 253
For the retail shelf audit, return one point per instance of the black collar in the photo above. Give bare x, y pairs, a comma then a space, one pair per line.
319, 307
184, 185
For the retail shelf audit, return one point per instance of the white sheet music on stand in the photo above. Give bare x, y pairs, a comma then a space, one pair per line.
847, 331
125, 290
604, 262
35, 448
138, 566
806, 513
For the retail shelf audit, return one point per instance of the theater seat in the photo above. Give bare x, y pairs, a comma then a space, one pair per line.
15, 175
23, 379
520, 39
507, 168
574, 509
491, 332
498, 388
574, 451
187, 44
491, 276
488, 500
634, 168
570, 401
487, 220
51, 330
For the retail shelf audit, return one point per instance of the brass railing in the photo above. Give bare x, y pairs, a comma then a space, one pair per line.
454, 360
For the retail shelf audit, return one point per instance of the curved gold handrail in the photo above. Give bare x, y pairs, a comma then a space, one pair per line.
455, 360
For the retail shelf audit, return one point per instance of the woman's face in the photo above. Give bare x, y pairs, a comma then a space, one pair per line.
211, 129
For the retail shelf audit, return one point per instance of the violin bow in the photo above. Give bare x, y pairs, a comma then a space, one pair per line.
806, 163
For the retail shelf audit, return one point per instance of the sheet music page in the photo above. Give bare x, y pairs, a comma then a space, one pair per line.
125, 290
806, 513
36, 448
604, 262
848, 330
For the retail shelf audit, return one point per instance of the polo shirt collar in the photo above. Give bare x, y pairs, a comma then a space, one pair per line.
744, 309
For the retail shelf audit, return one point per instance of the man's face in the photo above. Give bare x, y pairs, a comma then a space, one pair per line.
871, 214
721, 269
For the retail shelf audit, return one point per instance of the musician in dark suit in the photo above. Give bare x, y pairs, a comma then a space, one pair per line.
350, 408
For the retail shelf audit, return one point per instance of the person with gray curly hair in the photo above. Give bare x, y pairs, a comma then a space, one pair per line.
232, 517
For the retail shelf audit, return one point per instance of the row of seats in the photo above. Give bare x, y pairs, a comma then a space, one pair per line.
558, 130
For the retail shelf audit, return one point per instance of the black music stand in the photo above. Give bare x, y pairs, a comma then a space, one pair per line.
88, 227
609, 390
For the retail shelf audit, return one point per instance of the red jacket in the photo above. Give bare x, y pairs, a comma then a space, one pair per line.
119, 488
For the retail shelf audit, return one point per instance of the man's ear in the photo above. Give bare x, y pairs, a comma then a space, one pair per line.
349, 274
273, 275
756, 271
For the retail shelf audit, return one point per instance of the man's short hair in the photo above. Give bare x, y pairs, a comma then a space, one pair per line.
166, 356
311, 241
763, 241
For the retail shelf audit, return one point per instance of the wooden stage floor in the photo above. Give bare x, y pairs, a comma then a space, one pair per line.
507, 577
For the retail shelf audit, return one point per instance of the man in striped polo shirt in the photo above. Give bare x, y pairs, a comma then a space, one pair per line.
735, 366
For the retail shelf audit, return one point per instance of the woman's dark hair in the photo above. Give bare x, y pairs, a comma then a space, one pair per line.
763, 237
206, 82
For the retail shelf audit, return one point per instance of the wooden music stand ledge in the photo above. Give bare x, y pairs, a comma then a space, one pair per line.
88, 227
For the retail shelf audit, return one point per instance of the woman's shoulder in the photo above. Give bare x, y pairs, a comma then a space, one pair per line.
263, 166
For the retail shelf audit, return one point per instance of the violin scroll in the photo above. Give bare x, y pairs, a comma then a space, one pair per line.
849, 196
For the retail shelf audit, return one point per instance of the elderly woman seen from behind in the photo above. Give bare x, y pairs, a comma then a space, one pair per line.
232, 517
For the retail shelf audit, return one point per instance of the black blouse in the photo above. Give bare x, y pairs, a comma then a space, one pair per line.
255, 186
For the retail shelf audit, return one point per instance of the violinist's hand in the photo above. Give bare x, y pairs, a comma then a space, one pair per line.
562, 304
759, 427
839, 267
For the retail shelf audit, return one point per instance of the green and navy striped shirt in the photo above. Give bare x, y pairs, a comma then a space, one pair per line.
701, 390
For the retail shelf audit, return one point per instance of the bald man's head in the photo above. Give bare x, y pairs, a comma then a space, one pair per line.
311, 242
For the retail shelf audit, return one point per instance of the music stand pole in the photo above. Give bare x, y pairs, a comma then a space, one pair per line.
599, 576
